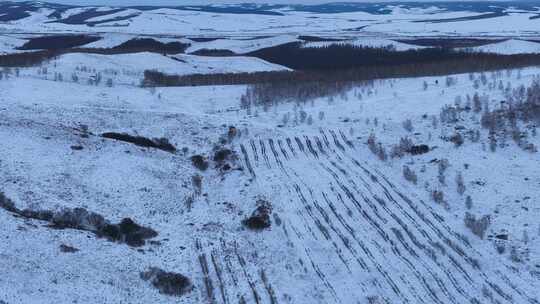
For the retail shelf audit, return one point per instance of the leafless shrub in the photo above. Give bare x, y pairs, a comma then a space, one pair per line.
515, 255
477, 103
450, 81
68, 249
492, 143
260, 218
381, 152
404, 146
409, 175
374, 300
376, 148
487, 293
517, 136
196, 180
408, 125
460, 184
372, 143
525, 237
438, 197
200, 162
468, 202
500, 247
449, 114
457, 139
442, 166
127, 231
434, 122
475, 136
477, 226
303, 116
522, 105
169, 283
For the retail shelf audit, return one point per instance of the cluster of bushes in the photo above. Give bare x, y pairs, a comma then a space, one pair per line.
168, 283
477, 226
260, 218
406, 146
127, 231
521, 106
377, 148
157, 143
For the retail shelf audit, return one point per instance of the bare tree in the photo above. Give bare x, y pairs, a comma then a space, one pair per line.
468, 202
477, 226
408, 125
442, 166
409, 175
460, 184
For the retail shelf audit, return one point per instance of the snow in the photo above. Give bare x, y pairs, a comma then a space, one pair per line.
510, 47
368, 42
242, 46
129, 68
10, 44
110, 40
400, 22
121, 180
123, 13
346, 226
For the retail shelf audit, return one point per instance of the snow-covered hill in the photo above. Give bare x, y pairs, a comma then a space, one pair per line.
408, 190
345, 227
475, 18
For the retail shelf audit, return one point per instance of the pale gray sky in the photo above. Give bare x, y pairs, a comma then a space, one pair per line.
203, 2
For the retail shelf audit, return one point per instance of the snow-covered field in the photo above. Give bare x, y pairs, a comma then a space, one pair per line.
129, 68
437, 20
346, 225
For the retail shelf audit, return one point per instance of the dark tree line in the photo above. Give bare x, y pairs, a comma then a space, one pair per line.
27, 58
455, 64
132, 46
57, 42
346, 56
269, 88
151, 45
450, 43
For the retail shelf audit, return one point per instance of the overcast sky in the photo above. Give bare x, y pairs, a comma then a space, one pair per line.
202, 2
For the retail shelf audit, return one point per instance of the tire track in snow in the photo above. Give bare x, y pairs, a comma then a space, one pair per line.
348, 191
